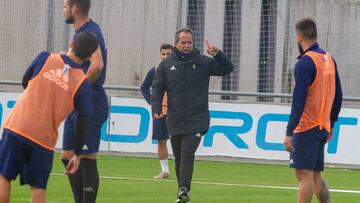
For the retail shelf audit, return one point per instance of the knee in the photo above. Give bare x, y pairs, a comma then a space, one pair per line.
162, 143
304, 175
38, 192
317, 177
188, 156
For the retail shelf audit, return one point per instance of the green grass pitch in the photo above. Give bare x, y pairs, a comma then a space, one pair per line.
129, 180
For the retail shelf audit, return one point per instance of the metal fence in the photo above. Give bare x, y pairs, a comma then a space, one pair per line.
258, 36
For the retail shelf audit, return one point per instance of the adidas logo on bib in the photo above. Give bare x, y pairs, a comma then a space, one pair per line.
59, 77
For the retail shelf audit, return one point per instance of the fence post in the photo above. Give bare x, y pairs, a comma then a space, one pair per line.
329, 25
50, 35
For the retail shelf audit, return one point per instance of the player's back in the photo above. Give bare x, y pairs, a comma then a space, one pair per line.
46, 102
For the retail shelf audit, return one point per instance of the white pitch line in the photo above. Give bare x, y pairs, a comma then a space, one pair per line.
219, 184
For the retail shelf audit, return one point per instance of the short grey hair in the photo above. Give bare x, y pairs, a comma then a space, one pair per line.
184, 29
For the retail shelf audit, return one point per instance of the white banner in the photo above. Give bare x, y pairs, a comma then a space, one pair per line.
238, 130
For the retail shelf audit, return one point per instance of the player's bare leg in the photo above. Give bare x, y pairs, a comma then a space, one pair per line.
38, 195
4, 190
163, 157
320, 189
306, 185
162, 150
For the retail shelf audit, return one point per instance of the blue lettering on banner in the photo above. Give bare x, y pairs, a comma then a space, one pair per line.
261, 131
332, 147
11, 104
231, 132
132, 110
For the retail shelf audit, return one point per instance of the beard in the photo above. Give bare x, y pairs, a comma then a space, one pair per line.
301, 50
69, 20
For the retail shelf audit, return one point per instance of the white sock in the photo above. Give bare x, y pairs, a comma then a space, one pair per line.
164, 165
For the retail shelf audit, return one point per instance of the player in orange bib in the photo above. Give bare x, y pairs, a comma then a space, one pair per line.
54, 85
159, 130
315, 107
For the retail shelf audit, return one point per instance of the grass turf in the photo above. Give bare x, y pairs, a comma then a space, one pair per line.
145, 190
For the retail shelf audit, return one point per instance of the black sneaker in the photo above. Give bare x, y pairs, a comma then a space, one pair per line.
183, 195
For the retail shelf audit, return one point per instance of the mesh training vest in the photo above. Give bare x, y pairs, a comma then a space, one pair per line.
46, 102
320, 96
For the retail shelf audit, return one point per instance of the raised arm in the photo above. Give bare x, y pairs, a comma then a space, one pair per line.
221, 65
96, 66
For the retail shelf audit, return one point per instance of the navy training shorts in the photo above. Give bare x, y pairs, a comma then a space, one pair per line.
159, 131
32, 162
309, 150
92, 134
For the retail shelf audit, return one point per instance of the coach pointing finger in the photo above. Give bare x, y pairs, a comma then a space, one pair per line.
185, 75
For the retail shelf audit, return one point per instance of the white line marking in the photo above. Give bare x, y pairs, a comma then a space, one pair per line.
219, 184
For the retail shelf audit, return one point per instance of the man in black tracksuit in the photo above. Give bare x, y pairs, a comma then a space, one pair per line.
185, 75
